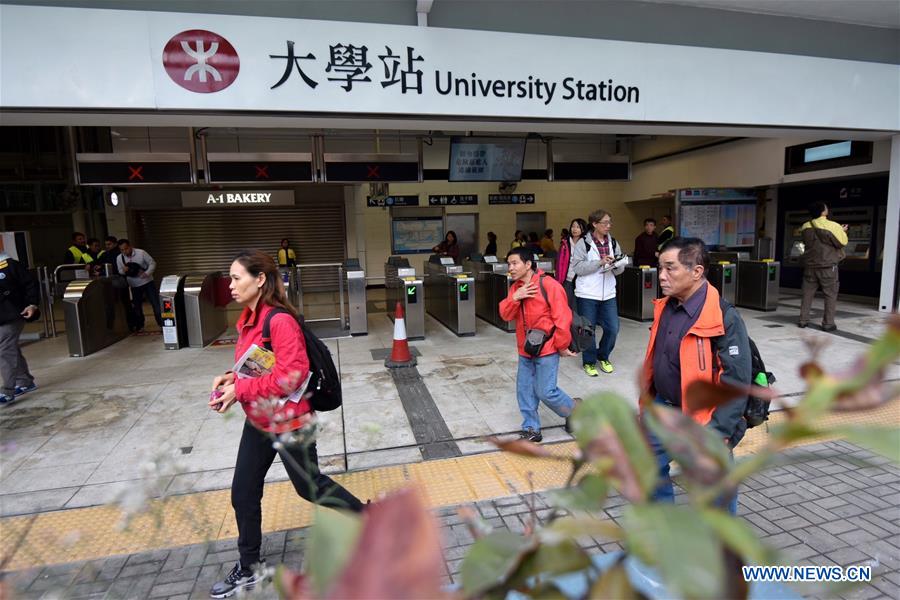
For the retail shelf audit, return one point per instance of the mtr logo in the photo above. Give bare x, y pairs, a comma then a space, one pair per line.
201, 61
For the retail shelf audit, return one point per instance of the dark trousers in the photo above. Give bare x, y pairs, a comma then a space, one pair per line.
13, 367
826, 279
255, 456
149, 291
604, 313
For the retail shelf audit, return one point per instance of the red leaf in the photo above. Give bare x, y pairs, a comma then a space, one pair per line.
810, 371
703, 395
292, 585
523, 447
398, 555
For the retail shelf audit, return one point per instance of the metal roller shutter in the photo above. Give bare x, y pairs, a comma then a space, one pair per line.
189, 240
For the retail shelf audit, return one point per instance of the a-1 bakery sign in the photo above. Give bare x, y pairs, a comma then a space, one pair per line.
233, 198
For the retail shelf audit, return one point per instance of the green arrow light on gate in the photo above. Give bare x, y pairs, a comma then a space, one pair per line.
464, 287
410, 291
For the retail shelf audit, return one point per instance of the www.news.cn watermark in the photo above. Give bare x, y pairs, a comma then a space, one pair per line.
858, 573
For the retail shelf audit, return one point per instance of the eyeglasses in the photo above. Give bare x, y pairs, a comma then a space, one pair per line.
604, 222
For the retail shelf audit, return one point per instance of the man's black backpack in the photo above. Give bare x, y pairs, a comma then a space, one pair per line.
757, 411
324, 388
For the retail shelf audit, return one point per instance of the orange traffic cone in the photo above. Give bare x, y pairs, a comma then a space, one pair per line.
400, 355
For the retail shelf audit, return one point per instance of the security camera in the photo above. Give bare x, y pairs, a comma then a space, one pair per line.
507, 187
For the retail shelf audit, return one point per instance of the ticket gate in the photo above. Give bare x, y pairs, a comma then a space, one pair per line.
723, 277
636, 290
358, 314
401, 284
291, 284
450, 295
171, 304
95, 315
491, 286
205, 320
757, 285
547, 265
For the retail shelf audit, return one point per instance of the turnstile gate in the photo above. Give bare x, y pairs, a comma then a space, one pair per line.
401, 284
171, 303
723, 277
357, 317
205, 320
547, 265
637, 288
491, 287
95, 316
450, 296
757, 285
291, 284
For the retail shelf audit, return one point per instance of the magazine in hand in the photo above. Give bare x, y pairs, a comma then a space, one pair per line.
256, 362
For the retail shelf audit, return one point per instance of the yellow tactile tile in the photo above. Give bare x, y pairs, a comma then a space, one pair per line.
96, 532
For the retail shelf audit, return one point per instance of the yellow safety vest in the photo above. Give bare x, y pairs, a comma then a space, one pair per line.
80, 257
670, 229
283, 260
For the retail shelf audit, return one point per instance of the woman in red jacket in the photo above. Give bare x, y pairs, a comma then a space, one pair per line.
255, 285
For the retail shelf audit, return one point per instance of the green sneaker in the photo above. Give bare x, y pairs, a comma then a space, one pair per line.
591, 370
606, 366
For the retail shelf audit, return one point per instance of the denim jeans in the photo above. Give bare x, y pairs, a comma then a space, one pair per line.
665, 491
604, 313
535, 383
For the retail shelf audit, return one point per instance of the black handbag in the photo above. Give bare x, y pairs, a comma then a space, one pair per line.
582, 333
535, 338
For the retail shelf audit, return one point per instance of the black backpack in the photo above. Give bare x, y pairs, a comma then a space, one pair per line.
324, 388
757, 411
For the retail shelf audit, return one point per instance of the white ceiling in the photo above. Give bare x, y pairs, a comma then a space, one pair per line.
875, 13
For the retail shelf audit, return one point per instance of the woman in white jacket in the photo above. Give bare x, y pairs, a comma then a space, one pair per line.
597, 259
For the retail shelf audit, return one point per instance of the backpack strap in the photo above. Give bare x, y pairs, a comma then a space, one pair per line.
267, 330
546, 299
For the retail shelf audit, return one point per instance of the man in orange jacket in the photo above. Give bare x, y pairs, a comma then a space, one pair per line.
538, 302
693, 338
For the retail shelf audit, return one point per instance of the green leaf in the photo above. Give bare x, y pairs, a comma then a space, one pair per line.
684, 547
547, 561
330, 545
561, 558
825, 390
881, 440
572, 527
607, 431
739, 537
613, 585
589, 495
702, 455
492, 559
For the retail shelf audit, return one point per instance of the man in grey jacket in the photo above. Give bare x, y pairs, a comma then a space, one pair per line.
137, 266
597, 259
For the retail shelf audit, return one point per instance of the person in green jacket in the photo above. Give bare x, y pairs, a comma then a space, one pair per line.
823, 242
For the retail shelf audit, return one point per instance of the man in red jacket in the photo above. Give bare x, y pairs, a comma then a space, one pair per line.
537, 301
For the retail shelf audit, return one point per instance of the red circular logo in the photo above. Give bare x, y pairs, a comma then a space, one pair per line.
201, 61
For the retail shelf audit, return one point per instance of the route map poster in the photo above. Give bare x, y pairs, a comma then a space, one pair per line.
416, 235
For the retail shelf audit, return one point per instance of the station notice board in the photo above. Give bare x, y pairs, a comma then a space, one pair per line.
719, 217
416, 235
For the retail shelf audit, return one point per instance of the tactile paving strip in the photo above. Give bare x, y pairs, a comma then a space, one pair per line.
99, 531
